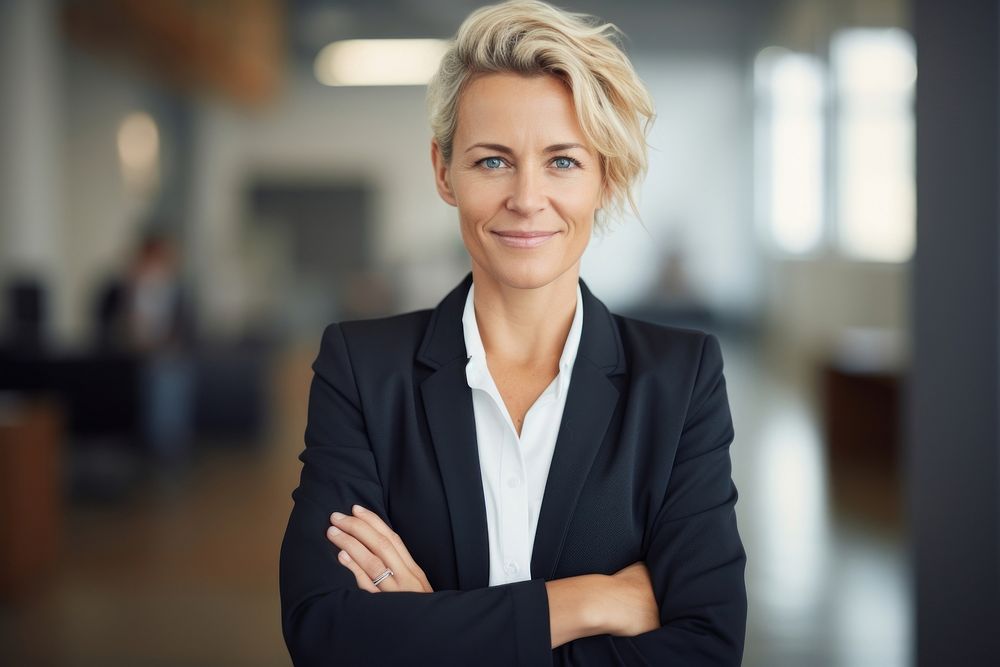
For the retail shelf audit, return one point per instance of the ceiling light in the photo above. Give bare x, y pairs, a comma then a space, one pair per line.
379, 62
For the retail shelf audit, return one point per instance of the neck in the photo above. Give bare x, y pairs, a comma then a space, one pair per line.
524, 326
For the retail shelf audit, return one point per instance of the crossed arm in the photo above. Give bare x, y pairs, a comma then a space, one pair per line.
695, 560
368, 546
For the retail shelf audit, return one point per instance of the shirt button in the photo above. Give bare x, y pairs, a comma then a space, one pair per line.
510, 567
514, 482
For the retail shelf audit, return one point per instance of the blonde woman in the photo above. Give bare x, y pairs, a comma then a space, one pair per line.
519, 476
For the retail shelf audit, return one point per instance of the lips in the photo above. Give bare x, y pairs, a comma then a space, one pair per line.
523, 239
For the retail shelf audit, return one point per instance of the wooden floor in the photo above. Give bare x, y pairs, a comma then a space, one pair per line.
186, 572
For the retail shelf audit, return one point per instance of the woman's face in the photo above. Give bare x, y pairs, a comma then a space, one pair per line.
523, 177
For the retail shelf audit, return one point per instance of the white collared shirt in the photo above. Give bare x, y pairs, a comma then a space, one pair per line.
514, 469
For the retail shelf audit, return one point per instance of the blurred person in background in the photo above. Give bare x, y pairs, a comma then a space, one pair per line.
546, 481
145, 312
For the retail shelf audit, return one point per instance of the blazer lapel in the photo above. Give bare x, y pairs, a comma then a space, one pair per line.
590, 404
452, 423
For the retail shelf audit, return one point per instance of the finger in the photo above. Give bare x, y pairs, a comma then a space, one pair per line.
376, 522
372, 550
364, 581
358, 553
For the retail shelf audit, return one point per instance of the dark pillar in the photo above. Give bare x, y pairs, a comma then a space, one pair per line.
954, 399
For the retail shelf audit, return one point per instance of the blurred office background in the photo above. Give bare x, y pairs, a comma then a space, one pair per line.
190, 192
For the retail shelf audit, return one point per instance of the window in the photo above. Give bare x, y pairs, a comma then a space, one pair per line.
790, 148
835, 147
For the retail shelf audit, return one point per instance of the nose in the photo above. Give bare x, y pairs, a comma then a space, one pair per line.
528, 194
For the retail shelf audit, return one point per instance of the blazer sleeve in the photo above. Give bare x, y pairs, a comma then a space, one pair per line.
326, 618
695, 556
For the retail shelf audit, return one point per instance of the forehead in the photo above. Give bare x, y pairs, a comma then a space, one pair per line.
507, 105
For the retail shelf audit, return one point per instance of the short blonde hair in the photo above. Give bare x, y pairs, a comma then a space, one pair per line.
613, 106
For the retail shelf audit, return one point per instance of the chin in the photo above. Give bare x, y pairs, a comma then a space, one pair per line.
525, 274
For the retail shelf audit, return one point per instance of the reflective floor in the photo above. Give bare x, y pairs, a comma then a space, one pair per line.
827, 568
187, 573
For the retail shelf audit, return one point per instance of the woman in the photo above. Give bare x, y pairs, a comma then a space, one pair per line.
531, 478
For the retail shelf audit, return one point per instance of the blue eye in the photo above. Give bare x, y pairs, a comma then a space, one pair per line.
495, 163
564, 163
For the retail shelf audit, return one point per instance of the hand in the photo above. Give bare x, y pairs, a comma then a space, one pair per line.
368, 546
630, 606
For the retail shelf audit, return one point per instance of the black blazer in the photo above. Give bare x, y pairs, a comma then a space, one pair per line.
641, 471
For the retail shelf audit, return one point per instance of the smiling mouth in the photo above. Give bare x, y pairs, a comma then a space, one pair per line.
524, 239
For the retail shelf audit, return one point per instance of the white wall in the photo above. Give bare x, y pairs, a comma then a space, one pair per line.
698, 191
379, 133
101, 217
29, 158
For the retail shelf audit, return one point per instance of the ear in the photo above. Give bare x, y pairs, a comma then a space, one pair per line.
442, 174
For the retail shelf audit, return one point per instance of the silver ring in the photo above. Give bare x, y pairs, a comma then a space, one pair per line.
380, 578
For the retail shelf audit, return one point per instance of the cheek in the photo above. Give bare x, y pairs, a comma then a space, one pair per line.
581, 194
478, 200
470, 225
580, 206
472, 216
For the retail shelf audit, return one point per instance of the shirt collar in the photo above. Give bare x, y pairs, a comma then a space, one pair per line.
477, 370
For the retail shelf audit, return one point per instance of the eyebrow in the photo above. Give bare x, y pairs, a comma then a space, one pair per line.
503, 149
